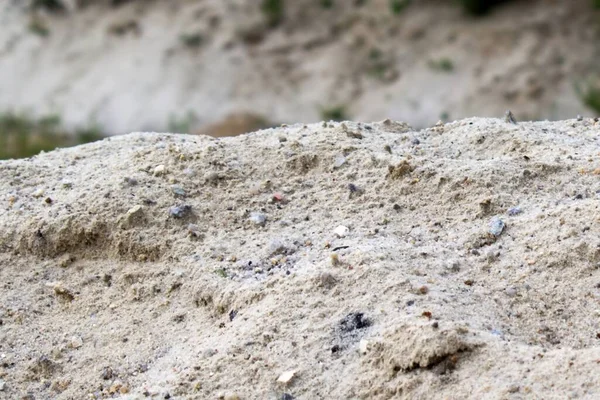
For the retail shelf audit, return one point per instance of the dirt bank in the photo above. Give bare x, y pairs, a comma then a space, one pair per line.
334, 261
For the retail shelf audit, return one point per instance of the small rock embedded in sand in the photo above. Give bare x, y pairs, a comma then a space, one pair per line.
2, 385
134, 216
180, 211
38, 193
194, 230
76, 342
341, 231
339, 161
453, 266
231, 396
178, 191
258, 218
400, 170
363, 346
159, 170
60, 291
286, 377
514, 211
509, 118
496, 226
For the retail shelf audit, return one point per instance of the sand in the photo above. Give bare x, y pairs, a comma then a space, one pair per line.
324, 261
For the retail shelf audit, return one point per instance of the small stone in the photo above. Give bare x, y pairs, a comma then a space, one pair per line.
341, 231
180, 211
2, 385
231, 396
130, 181
107, 373
134, 216
415, 142
194, 230
178, 191
511, 291
286, 377
339, 161
76, 342
514, 211
363, 346
159, 170
38, 193
496, 226
189, 172
510, 118
453, 266
258, 218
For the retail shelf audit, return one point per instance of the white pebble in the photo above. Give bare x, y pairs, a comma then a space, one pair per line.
341, 231
363, 346
159, 170
286, 377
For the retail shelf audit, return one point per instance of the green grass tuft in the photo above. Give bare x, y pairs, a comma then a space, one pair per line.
335, 113
397, 6
273, 11
22, 136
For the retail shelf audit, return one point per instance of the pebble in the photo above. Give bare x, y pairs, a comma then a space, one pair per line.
231, 396
180, 211
189, 172
194, 230
363, 346
178, 191
134, 214
511, 291
339, 161
341, 231
258, 218
130, 181
39, 193
286, 377
496, 226
453, 266
514, 211
76, 342
159, 170
2, 385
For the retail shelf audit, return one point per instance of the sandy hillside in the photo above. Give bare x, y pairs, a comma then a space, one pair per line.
325, 261
186, 64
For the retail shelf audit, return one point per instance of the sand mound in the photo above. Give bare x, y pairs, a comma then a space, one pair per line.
337, 260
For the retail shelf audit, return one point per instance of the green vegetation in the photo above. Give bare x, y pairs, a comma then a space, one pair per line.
480, 7
397, 6
596, 3
442, 65
590, 95
327, 4
183, 124
37, 26
273, 11
22, 136
380, 66
192, 40
335, 113
49, 5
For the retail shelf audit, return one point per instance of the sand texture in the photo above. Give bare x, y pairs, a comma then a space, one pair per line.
324, 261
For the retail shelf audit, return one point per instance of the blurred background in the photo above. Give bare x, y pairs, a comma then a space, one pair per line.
74, 71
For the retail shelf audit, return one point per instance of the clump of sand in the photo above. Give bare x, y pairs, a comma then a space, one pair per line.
334, 260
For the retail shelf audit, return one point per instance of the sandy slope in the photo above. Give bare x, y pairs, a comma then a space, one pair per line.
108, 291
